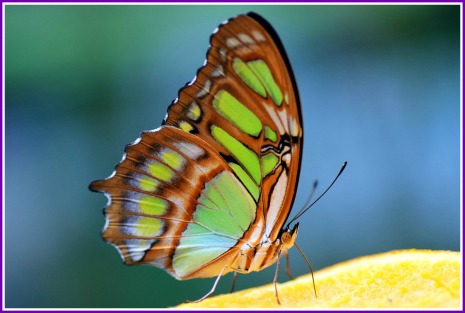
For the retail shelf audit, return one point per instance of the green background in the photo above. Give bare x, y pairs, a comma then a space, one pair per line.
380, 88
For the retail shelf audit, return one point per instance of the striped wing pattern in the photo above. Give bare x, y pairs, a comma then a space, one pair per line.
213, 186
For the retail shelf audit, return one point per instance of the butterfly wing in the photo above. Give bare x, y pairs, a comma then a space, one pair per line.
244, 102
173, 203
229, 151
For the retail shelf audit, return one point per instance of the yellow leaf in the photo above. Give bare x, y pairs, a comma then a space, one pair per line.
396, 279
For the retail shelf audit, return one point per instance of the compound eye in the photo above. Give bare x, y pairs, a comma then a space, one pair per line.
286, 238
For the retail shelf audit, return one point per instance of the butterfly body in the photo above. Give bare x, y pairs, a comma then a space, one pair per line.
209, 191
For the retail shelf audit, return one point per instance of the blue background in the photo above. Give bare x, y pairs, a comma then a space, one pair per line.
380, 88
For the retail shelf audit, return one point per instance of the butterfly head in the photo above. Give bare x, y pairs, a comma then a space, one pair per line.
288, 236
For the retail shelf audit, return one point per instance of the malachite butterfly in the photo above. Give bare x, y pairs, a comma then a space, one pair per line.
209, 191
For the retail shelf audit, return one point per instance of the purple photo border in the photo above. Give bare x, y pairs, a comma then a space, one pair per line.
343, 2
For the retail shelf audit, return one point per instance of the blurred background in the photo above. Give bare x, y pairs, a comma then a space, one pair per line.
380, 88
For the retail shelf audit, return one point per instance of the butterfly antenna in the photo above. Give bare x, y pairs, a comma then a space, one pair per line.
306, 206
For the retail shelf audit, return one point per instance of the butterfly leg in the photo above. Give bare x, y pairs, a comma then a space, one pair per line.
233, 283
288, 267
309, 266
211, 290
275, 279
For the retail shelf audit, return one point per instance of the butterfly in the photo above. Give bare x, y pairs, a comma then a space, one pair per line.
209, 191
